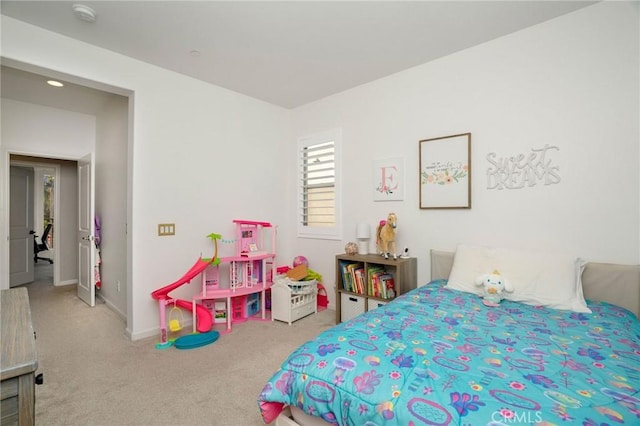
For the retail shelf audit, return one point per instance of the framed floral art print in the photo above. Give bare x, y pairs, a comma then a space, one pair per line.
445, 172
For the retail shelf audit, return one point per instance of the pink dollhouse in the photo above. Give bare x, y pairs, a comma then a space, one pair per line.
250, 274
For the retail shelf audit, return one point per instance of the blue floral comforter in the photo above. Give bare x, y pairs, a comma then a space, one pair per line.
440, 357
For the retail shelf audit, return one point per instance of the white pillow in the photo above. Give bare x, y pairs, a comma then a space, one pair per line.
538, 278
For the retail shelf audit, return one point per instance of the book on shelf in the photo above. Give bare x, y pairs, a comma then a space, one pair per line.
360, 281
355, 277
381, 284
388, 287
352, 277
345, 276
373, 286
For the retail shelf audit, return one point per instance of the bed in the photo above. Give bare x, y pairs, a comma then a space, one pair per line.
439, 356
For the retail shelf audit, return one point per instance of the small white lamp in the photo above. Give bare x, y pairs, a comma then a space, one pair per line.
363, 233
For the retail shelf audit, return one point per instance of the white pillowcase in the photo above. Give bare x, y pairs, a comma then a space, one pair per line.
538, 278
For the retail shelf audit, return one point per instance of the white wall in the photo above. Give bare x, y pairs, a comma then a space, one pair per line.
201, 157
559, 83
67, 224
111, 168
30, 128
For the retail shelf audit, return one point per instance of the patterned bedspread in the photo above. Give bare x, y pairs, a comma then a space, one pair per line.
440, 357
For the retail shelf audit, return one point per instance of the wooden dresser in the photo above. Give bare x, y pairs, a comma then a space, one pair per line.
18, 360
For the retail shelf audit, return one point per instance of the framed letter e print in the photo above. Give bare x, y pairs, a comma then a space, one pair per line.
445, 172
388, 179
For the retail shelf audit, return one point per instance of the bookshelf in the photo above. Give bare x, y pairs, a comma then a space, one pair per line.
365, 282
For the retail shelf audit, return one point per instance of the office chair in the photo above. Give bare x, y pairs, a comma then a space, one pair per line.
42, 245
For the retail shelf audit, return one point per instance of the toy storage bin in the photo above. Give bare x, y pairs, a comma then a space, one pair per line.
351, 306
375, 304
292, 300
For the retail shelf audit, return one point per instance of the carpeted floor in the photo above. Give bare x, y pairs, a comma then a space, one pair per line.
93, 375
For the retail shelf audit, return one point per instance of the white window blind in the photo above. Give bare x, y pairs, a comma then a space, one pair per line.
318, 179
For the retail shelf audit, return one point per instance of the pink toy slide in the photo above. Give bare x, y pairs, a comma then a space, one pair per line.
203, 315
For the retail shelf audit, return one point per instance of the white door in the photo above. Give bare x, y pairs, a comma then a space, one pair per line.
86, 229
21, 269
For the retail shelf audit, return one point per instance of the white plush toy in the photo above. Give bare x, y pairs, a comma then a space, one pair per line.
493, 285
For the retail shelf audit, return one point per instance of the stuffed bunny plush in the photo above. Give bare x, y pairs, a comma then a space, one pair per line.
493, 285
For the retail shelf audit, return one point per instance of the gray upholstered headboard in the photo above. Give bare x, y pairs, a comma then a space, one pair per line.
607, 282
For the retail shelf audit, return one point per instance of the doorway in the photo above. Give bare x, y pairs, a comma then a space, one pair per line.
54, 195
93, 118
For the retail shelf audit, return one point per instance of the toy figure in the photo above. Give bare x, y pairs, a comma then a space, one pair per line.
386, 235
493, 286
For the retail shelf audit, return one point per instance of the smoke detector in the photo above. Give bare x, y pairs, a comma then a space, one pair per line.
84, 13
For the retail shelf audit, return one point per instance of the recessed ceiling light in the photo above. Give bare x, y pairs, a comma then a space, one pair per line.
54, 83
84, 12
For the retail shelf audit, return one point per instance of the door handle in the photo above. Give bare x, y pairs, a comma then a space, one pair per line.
89, 238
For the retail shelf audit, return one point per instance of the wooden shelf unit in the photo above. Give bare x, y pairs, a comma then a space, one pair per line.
350, 303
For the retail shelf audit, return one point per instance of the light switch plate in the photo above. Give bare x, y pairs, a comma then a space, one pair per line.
165, 229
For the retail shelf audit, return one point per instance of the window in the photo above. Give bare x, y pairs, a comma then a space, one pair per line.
319, 185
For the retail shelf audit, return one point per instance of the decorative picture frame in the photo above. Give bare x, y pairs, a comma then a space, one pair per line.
445, 172
388, 179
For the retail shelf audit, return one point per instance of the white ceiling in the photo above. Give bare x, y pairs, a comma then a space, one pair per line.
288, 53
31, 87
